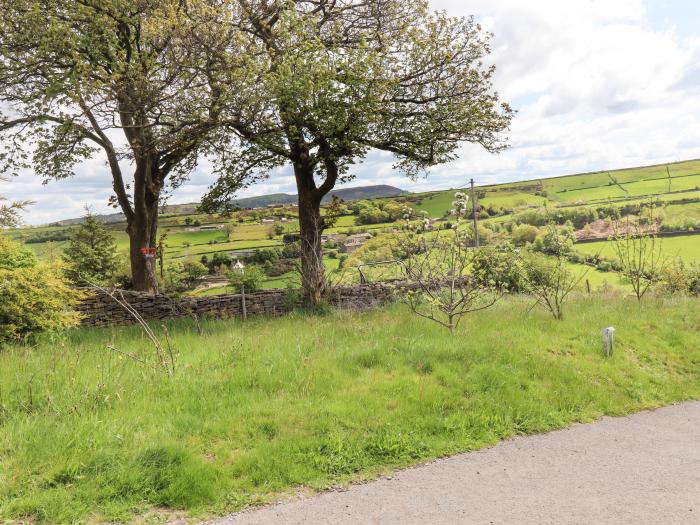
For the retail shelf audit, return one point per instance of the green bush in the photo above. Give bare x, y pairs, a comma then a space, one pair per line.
524, 234
251, 279
498, 267
291, 251
556, 241
36, 299
679, 277
14, 256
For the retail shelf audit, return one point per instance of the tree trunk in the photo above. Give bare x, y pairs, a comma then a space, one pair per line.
311, 225
142, 237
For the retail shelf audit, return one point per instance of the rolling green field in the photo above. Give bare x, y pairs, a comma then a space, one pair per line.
268, 407
687, 248
635, 184
678, 194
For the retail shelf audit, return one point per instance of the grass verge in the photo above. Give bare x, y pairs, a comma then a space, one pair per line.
258, 409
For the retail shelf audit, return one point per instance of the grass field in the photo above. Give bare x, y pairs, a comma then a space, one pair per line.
258, 409
686, 247
635, 185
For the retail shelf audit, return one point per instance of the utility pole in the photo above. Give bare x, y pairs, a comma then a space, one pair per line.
476, 230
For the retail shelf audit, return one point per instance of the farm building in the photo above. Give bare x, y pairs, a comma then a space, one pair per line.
242, 254
354, 242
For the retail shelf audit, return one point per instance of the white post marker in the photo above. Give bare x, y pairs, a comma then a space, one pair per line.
608, 341
240, 268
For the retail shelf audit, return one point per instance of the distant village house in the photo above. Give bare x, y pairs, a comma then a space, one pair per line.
355, 242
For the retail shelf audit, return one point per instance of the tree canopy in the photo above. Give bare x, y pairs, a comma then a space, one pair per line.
325, 81
115, 77
320, 83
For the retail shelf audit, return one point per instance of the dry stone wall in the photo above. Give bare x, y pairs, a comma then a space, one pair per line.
100, 309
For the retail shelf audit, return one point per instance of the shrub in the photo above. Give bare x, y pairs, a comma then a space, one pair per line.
679, 277
279, 267
377, 212
498, 267
556, 241
524, 234
291, 251
265, 255
251, 279
48, 236
193, 271
291, 238
219, 260
122, 278
579, 216
36, 299
14, 256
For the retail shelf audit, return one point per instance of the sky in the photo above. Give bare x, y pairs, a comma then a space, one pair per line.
598, 84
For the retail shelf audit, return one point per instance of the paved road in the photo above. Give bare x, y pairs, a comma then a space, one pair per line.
642, 469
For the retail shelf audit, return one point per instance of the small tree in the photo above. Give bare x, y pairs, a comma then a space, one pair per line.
639, 251
250, 279
548, 278
499, 267
229, 230
92, 252
679, 277
437, 267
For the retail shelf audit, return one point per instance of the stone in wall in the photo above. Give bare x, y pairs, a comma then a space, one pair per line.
101, 309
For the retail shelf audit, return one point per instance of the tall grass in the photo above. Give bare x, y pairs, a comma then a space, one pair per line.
261, 408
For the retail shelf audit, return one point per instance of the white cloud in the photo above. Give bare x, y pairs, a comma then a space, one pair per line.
598, 85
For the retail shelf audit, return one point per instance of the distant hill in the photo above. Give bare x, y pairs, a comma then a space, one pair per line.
347, 194
262, 201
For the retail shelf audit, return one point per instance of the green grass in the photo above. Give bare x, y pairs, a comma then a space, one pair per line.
686, 247
258, 409
598, 279
436, 204
511, 200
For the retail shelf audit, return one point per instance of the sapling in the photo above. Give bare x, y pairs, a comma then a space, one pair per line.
437, 269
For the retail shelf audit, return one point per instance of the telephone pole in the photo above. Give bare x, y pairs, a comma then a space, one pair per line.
476, 230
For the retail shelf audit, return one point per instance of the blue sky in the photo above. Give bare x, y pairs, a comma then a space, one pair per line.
599, 84
681, 16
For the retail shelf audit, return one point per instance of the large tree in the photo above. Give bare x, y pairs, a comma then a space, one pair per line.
320, 83
119, 77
